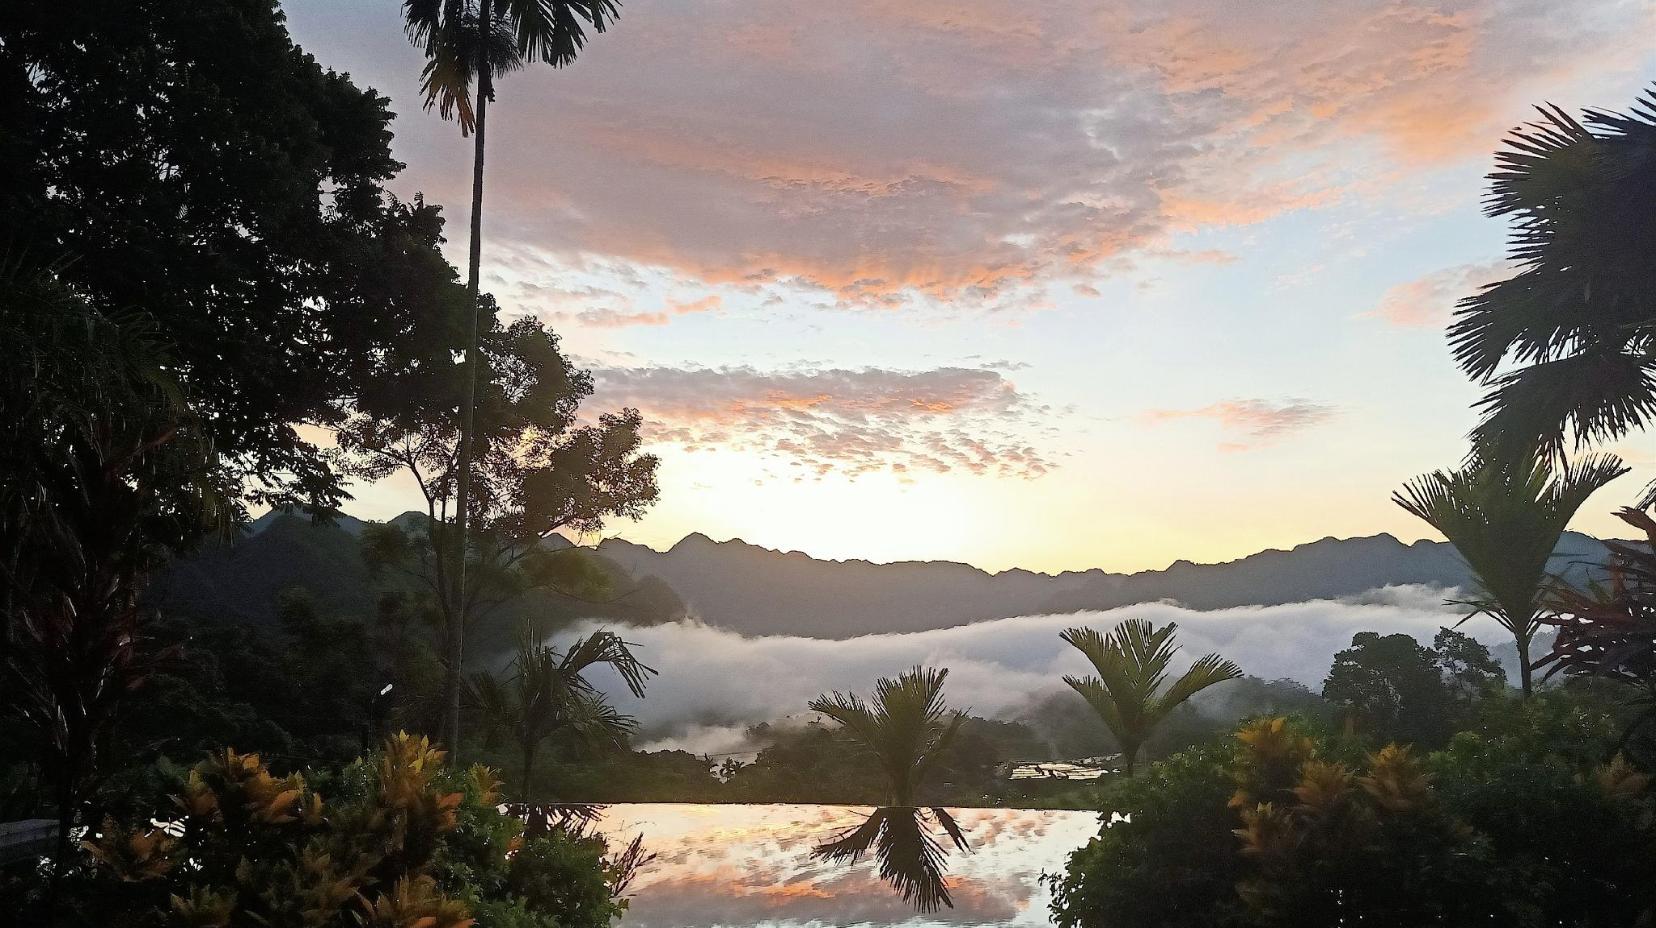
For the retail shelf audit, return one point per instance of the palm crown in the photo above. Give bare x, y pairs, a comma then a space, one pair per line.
907, 727
1505, 518
456, 40
1131, 665
548, 693
1580, 315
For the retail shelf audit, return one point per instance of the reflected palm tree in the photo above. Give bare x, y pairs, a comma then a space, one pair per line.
907, 727
904, 842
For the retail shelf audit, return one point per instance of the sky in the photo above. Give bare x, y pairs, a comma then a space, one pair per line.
1058, 286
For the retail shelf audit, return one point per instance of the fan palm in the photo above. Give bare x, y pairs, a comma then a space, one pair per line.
1580, 314
467, 44
1131, 665
1505, 518
548, 694
907, 728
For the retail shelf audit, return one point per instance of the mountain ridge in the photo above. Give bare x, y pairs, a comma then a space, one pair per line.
755, 590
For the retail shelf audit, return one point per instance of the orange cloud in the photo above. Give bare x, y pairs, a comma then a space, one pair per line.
606, 318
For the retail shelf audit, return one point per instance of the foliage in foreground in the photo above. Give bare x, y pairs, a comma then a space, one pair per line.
1519, 821
399, 840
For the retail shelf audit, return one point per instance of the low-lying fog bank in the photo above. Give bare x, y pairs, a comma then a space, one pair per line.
714, 683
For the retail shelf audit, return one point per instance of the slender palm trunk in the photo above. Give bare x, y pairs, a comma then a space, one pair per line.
1129, 758
1525, 679
468, 414
528, 771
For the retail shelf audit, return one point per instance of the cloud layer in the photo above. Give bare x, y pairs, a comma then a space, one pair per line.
714, 682
885, 151
848, 421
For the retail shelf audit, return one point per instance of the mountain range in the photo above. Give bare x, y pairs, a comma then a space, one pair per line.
760, 591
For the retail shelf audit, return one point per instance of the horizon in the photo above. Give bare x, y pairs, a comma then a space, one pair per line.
878, 330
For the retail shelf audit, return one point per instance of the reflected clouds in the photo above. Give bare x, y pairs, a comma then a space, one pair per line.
750, 865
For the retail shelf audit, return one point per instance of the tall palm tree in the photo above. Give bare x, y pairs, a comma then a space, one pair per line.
1131, 665
1505, 518
548, 694
467, 44
1580, 315
906, 727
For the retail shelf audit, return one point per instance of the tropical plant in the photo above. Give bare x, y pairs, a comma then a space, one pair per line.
1505, 517
105, 471
910, 856
1608, 631
1580, 315
467, 44
400, 840
549, 695
907, 727
1513, 824
1131, 664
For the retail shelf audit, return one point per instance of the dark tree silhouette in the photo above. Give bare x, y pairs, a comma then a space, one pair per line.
467, 45
233, 199
539, 469
1579, 318
106, 469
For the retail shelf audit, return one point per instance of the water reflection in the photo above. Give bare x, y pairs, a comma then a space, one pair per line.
911, 859
731, 865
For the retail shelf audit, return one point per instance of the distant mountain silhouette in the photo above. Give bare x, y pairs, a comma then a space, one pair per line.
239, 580
759, 591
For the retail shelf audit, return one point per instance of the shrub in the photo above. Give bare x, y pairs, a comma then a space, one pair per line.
403, 841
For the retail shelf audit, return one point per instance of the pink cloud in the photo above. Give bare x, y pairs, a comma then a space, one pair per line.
1428, 302
1250, 423
889, 153
846, 421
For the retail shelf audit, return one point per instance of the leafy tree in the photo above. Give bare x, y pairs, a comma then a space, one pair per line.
1393, 688
538, 470
1580, 315
235, 202
548, 694
1467, 666
1131, 664
1328, 842
469, 42
1505, 518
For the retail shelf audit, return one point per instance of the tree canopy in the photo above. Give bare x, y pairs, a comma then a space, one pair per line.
189, 164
